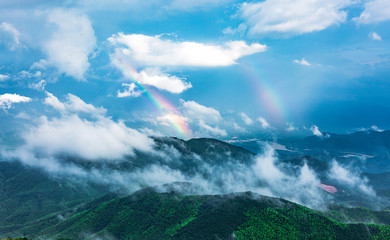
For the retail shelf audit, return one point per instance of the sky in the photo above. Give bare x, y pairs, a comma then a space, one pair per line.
126, 69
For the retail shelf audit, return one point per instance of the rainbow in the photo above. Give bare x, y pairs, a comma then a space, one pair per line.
167, 110
266, 95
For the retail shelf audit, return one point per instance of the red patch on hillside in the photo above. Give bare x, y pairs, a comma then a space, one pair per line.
328, 188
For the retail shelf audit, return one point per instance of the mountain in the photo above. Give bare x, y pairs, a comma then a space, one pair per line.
37, 204
147, 214
366, 142
368, 150
28, 194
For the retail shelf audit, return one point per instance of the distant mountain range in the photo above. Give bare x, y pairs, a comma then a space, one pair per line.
370, 150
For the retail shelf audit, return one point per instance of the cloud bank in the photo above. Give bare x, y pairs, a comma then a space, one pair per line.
81, 131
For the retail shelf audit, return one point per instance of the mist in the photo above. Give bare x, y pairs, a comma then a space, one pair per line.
84, 145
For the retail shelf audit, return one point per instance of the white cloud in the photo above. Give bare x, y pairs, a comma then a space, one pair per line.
75, 136
131, 91
350, 178
316, 131
154, 51
202, 117
240, 30
303, 61
376, 128
70, 45
247, 120
13, 33
73, 105
238, 128
7, 99
143, 58
194, 110
292, 17
154, 77
264, 122
374, 36
3, 77
40, 86
53, 101
291, 127
41, 64
23, 115
213, 130
374, 11
172, 119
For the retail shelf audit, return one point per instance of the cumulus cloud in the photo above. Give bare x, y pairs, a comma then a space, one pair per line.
72, 135
70, 45
374, 36
11, 37
131, 91
3, 77
154, 51
264, 122
143, 58
374, 11
213, 130
292, 17
206, 118
40, 86
7, 99
156, 78
291, 127
352, 179
194, 110
247, 120
316, 131
303, 61
73, 105
171, 119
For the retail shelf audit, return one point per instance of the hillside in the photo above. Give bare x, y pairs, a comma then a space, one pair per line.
150, 215
28, 194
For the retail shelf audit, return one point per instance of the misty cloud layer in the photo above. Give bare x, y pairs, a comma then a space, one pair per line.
83, 144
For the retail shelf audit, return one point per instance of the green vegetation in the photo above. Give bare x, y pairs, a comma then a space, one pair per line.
356, 215
150, 215
302, 223
141, 216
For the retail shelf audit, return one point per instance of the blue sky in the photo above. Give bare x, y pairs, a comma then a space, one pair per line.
220, 68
